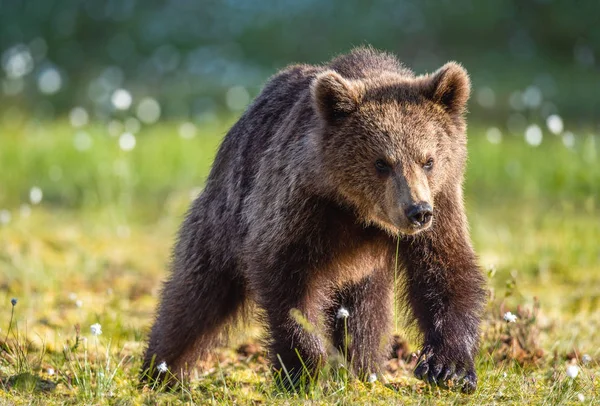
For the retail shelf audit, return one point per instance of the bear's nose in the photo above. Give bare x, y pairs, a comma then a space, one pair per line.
419, 214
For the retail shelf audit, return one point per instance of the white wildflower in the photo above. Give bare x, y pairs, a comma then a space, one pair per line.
96, 329
580, 397
572, 371
50, 371
372, 378
509, 317
343, 313
162, 367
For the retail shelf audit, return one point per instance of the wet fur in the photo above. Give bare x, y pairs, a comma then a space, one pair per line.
287, 220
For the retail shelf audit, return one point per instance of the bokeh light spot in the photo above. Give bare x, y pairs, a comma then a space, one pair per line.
127, 141
121, 99
533, 135
148, 110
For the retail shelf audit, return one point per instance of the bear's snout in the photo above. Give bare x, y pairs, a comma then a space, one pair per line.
419, 215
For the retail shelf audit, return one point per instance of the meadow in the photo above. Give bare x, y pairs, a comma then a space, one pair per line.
87, 220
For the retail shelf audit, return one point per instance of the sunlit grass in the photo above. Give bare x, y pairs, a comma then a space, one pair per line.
95, 248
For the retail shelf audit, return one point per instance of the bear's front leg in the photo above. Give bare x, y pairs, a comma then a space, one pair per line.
293, 301
360, 320
295, 350
445, 289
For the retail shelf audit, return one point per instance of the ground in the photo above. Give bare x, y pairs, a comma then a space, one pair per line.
95, 248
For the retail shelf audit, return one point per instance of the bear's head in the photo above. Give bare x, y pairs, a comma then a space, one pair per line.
391, 143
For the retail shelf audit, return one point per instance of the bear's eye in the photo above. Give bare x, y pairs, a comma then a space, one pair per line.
382, 167
428, 165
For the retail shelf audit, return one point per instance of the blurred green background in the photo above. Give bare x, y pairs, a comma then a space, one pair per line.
528, 59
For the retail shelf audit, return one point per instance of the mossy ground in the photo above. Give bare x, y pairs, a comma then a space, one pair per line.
96, 248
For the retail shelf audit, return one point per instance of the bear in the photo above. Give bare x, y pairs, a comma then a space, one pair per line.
336, 177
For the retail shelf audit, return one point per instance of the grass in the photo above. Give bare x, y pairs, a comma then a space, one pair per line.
95, 249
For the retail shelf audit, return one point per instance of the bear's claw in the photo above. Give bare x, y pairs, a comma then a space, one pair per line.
435, 371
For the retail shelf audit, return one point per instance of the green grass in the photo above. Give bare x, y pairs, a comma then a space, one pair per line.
95, 250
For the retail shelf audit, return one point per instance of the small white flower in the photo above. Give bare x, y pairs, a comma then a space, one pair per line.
504, 374
572, 371
372, 378
162, 367
580, 397
50, 371
96, 329
79, 303
509, 317
343, 313
586, 359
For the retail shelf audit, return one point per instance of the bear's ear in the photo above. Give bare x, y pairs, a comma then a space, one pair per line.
450, 87
335, 97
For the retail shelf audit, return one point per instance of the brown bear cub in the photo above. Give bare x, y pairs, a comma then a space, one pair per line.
334, 176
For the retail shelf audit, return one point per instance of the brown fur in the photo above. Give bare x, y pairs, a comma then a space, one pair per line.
297, 215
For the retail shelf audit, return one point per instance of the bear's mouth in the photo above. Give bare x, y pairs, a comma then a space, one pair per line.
418, 227
414, 228
403, 227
